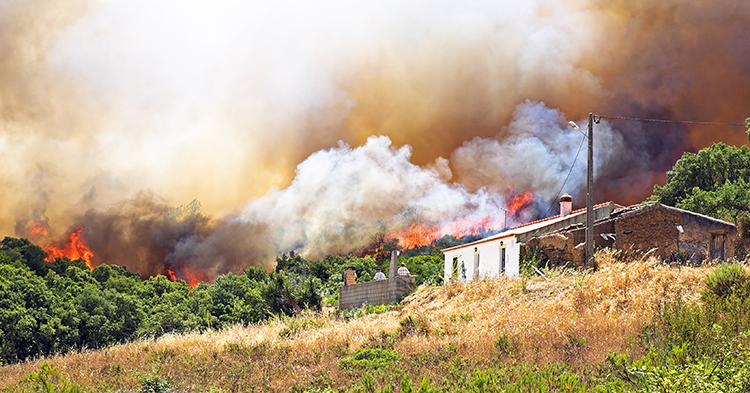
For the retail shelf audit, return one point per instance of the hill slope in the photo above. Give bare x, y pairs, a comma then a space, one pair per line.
563, 325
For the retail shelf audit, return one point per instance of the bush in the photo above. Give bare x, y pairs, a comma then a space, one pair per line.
48, 380
155, 384
369, 359
727, 280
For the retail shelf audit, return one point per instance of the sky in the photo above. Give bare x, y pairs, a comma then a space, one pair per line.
216, 135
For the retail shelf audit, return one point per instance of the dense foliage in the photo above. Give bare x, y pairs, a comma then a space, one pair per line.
47, 308
697, 347
715, 181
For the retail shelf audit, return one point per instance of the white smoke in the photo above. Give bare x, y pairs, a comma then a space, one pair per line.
342, 197
189, 99
535, 152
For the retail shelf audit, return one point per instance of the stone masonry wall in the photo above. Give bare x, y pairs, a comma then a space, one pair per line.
640, 229
655, 227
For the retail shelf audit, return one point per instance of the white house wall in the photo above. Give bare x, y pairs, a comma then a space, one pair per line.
489, 259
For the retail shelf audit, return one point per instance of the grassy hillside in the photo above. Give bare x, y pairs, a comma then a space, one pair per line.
517, 333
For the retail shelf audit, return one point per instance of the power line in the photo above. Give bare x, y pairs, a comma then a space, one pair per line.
596, 120
710, 123
566, 177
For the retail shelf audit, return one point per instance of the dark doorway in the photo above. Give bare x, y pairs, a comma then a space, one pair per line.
717, 245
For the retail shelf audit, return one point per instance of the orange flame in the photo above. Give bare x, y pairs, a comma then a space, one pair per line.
518, 201
418, 234
75, 248
190, 276
193, 278
39, 229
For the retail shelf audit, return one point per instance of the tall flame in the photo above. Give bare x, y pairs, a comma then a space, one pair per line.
419, 234
516, 202
74, 248
191, 277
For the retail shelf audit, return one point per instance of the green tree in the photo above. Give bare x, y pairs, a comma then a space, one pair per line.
713, 181
428, 269
27, 252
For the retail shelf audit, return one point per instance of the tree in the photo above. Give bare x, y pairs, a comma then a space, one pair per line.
713, 181
29, 253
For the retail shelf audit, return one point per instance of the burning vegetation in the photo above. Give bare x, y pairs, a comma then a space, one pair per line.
74, 249
350, 137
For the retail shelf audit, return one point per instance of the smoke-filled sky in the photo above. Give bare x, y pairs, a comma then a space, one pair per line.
314, 126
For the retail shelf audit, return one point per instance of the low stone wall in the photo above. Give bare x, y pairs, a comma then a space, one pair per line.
375, 293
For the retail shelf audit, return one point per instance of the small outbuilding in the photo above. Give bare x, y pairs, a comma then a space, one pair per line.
670, 233
393, 289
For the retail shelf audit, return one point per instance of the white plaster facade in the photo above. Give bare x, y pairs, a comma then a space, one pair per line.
484, 258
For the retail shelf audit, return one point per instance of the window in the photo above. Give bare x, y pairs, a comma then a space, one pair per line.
476, 264
454, 272
502, 260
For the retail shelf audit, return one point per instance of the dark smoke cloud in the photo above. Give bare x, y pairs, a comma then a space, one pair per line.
150, 237
229, 102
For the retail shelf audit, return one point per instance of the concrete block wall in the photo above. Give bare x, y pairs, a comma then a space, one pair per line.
375, 293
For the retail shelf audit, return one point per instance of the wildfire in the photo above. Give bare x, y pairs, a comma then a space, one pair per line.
170, 275
74, 248
191, 277
419, 234
39, 229
518, 201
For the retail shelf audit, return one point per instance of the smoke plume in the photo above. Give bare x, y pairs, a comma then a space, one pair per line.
315, 126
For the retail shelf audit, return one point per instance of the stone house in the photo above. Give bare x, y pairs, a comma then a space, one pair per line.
670, 233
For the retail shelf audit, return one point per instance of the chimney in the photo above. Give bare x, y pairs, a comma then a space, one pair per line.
566, 205
394, 264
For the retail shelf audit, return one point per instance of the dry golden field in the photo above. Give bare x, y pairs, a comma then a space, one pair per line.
568, 318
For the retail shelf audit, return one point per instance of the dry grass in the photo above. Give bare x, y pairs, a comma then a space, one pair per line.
572, 317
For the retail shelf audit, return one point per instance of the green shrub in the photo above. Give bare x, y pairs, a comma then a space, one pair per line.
413, 325
727, 280
155, 384
369, 359
48, 380
507, 346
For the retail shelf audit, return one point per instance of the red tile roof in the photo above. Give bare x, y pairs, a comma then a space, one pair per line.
558, 216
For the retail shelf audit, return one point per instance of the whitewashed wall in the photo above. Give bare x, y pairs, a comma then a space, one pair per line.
489, 259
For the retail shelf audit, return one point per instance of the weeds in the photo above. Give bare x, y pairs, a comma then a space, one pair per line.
48, 380
507, 346
369, 359
155, 384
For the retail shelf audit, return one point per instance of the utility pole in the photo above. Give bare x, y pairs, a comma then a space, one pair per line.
505, 221
590, 263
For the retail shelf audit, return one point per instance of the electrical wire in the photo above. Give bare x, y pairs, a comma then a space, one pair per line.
711, 123
568, 176
596, 120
